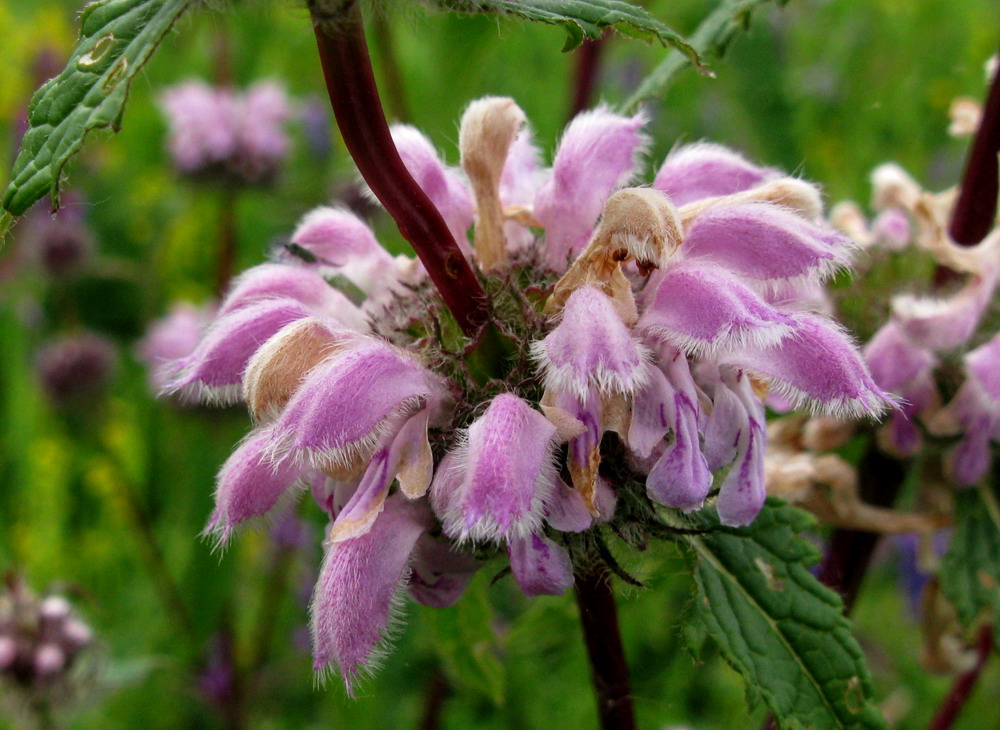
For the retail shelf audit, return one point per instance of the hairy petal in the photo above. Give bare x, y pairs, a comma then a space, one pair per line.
707, 170
704, 310
597, 154
356, 594
818, 366
346, 403
590, 348
215, 369
508, 474
540, 566
249, 486
766, 243
680, 478
652, 412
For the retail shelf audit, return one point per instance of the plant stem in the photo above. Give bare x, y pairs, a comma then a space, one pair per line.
588, 62
976, 207
964, 684
350, 82
880, 478
436, 694
609, 671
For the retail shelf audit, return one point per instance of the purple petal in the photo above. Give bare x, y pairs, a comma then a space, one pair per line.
540, 566
892, 229
214, 371
742, 492
441, 572
356, 595
942, 324
249, 486
279, 281
706, 310
725, 426
444, 187
894, 360
568, 511
818, 365
680, 478
508, 473
652, 413
345, 405
590, 347
346, 245
404, 452
597, 154
982, 366
766, 243
971, 458
705, 170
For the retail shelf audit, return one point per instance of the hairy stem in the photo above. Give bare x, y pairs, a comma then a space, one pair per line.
588, 63
964, 684
350, 82
608, 669
976, 207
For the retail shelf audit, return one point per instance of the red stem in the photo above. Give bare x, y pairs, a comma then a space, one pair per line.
350, 82
966, 682
588, 62
976, 207
599, 620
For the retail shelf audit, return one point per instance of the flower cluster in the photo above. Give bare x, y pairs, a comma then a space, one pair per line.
40, 639
216, 132
634, 332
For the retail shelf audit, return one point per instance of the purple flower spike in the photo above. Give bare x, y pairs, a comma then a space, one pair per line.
598, 153
357, 594
214, 371
766, 243
706, 310
706, 170
540, 566
346, 245
202, 124
347, 403
443, 186
817, 367
277, 281
591, 349
508, 477
250, 486
441, 573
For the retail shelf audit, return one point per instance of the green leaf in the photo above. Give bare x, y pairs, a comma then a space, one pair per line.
711, 37
117, 37
467, 645
782, 630
970, 571
582, 19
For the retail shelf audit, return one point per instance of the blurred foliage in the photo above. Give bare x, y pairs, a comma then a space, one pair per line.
825, 88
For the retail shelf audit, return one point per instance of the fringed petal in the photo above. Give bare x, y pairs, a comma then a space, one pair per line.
707, 170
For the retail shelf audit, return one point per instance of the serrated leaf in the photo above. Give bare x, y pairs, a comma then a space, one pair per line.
711, 37
117, 37
466, 644
582, 19
778, 626
970, 570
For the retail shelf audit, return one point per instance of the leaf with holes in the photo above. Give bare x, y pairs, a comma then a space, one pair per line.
970, 571
711, 37
582, 19
782, 630
117, 37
